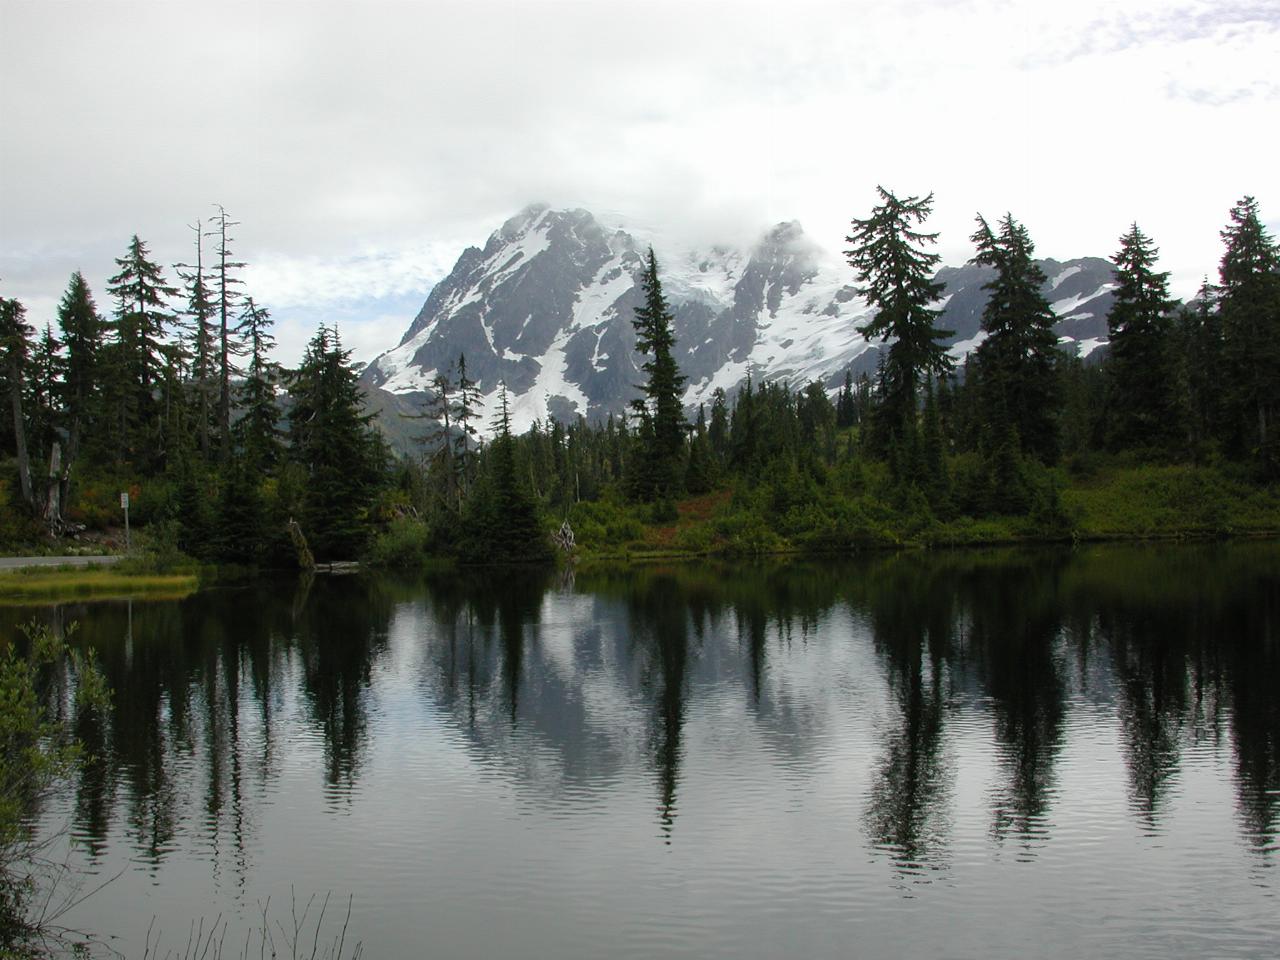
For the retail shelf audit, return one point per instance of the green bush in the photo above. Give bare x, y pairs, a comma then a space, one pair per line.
747, 533
19, 527
404, 544
38, 751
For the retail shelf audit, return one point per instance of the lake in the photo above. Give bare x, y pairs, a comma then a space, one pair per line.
1052, 753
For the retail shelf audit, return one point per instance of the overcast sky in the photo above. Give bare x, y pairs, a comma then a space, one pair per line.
363, 145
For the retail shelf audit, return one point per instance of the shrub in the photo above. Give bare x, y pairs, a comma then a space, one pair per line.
404, 544
37, 752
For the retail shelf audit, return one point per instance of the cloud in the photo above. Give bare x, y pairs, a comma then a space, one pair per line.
364, 145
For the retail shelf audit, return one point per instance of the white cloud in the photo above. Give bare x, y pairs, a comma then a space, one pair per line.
362, 145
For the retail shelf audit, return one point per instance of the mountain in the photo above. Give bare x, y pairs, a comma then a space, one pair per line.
547, 305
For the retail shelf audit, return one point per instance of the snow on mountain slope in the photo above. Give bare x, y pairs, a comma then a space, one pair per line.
546, 307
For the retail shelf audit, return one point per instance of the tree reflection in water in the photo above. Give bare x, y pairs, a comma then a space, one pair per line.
588, 674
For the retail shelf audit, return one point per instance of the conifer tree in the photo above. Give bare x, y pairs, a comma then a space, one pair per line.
257, 435
138, 355
1250, 305
15, 355
1140, 325
501, 524
937, 480
846, 411
439, 441
1016, 364
45, 391
466, 411
1201, 368
896, 270
699, 471
816, 421
718, 428
82, 333
744, 430
331, 439
659, 408
201, 337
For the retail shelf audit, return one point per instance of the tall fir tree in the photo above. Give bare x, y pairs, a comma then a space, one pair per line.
501, 523
1016, 365
201, 339
1250, 305
82, 337
466, 412
895, 270
46, 391
138, 354
718, 428
1143, 409
438, 452
256, 432
15, 359
659, 410
846, 410
1201, 370
342, 456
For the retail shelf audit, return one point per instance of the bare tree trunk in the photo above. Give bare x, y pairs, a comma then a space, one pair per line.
53, 491
305, 558
73, 450
20, 430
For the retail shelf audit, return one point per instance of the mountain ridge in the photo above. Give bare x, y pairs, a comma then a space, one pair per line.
546, 305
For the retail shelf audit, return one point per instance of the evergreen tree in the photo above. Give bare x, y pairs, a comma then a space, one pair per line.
15, 354
45, 392
194, 518
896, 271
659, 408
816, 421
846, 409
201, 337
744, 431
718, 428
699, 472
1143, 411
257, 435
936, 484
1201, 369
501, 524
1250, 305
138, 355
82, 335
466, 411
239, 536
438, 443
343, 457
1016, 364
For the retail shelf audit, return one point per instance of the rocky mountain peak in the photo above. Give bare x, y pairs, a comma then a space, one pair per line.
546, 307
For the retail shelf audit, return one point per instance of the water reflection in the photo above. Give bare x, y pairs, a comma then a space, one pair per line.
911, 604
566, 688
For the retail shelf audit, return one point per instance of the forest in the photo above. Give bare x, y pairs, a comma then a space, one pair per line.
172, 395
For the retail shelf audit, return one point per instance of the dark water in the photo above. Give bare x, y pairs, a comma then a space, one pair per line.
1054, 754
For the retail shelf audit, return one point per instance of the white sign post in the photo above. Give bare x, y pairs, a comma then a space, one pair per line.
124, 505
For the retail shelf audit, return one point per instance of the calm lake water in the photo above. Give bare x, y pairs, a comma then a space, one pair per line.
973, 754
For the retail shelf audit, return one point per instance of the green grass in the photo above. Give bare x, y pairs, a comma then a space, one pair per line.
1115, 503
68, 583
1159, 502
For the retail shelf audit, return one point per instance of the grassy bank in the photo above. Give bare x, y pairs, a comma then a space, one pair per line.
125, 579
858, 511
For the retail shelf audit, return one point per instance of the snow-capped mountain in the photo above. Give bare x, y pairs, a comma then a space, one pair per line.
547, 306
